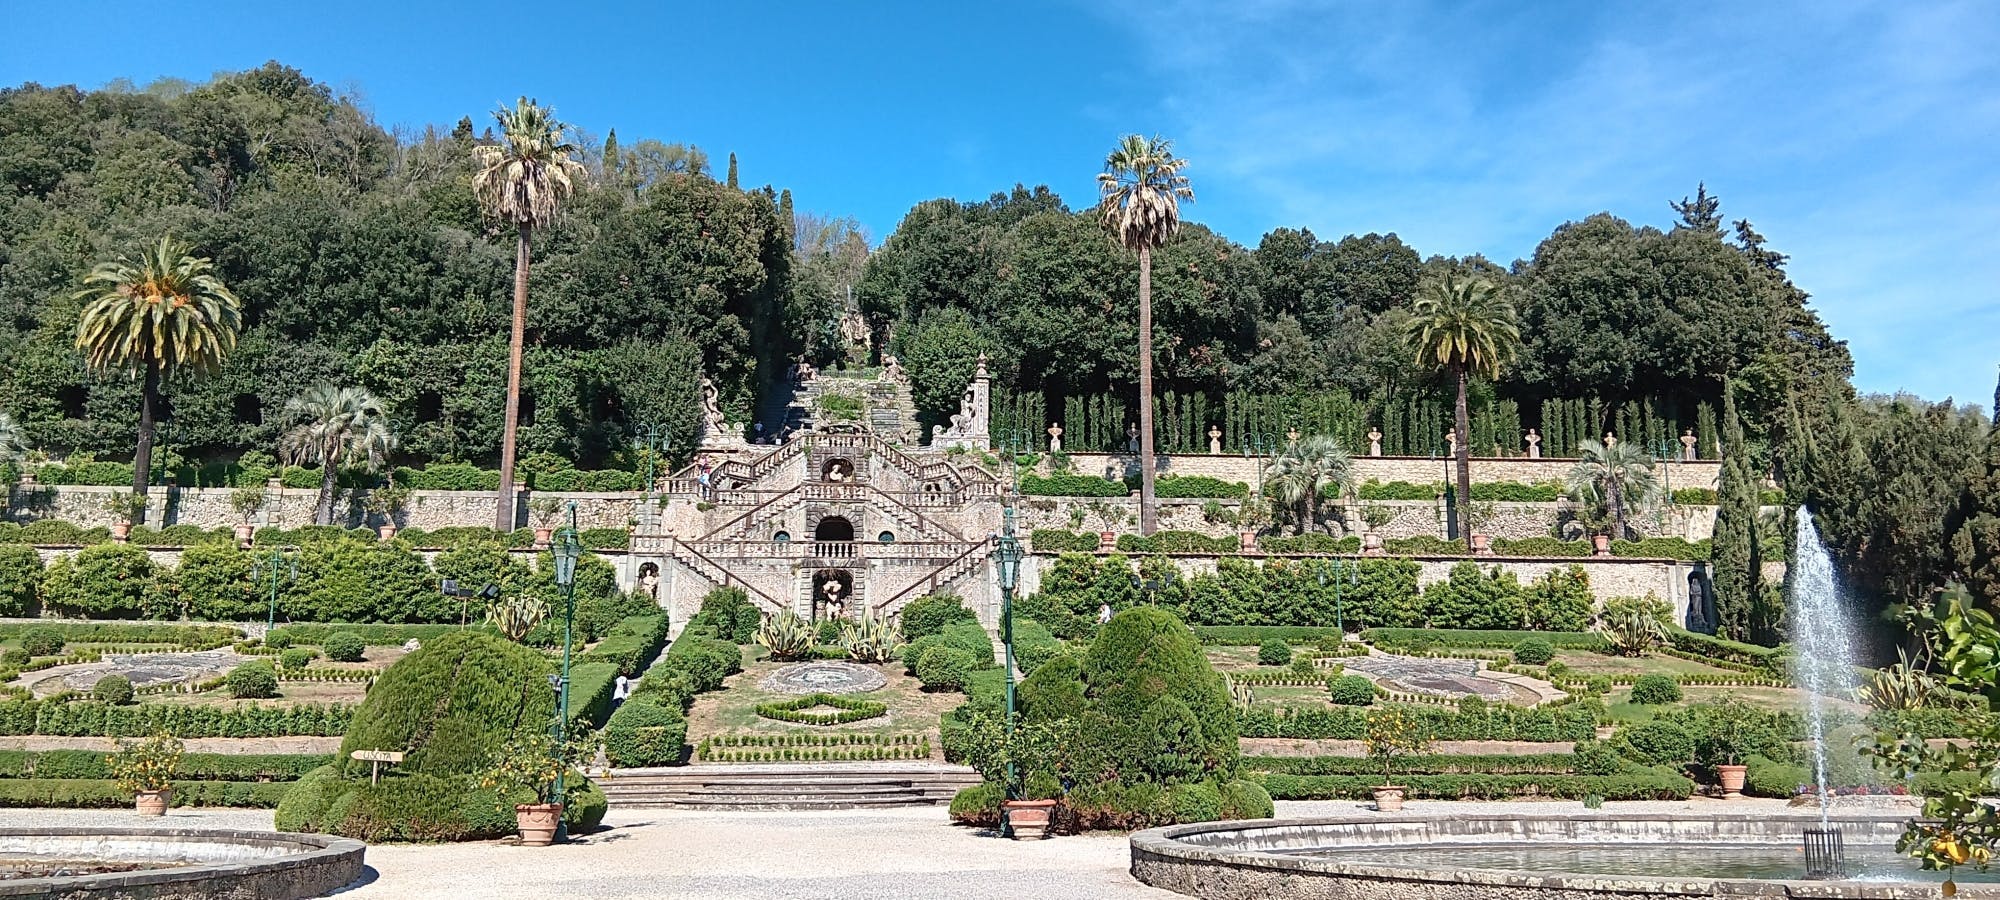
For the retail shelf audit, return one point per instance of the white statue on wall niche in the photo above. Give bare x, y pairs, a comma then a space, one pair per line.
1374, 442
970, 426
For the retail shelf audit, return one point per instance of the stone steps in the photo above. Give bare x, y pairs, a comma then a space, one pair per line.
788, 786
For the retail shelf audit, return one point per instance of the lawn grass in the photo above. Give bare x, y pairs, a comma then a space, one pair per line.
733, 710
1585, 663
1620, 708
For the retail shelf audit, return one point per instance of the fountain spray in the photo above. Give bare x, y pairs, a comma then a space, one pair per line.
1823, 663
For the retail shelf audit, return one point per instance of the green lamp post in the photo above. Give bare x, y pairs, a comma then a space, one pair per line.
1346, 571
654, 439
281, 566
1007, 558
565, 549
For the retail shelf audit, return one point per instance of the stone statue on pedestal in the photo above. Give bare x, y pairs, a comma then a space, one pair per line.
971, 426
714, 428
1610, 440
1214, 441
1451, 442
1374, 441
1534, 445
1055, 437
1292, 435
1132, 438
1688, 442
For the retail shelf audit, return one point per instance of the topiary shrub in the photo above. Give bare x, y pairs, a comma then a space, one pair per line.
929, 614
297, 658
252, 681
305, 804
113, 689
1657, 743
42, 642
731, 614
216, 583
1656, 690
978, 804
14, 657
644, 733
20, 579
943, 668
451, 702
345, 646
1195, 801
1246, 800
278, 640
1534, 652
107, 581
1274, 652
1351, 690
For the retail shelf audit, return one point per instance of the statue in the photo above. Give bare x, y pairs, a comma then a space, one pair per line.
1374, 441
1292, 436
1132, 438
1688, 442
1451, 442
1214, 441
970, 426
649, 580
1055, 437
835, 607
1609, 441
714, 428
1534, 445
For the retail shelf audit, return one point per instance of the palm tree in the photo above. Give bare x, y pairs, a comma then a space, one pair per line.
339, 428
1613, 478
523, 181
1463, 326
1298, 477
156, 316
1142, 187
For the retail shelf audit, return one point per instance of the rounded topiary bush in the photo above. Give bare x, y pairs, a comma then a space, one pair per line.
345, 646
1655, 690
113, 689
644, 733
296, 658
1657, 743
1351, 690
42, 642
943, 668
978, 804
1534, 652
929, 614
252, 681
1274, 652
1597, 684
1195, 801
1246, 800
14, 656
450, 703
278, 640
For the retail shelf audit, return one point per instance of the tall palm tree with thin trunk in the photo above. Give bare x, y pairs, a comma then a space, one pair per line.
1615, 479
338, 428
1464, 327
157, 316
1142, 187
1298, 477
523, 181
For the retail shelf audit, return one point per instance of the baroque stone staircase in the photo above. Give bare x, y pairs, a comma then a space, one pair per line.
788, 786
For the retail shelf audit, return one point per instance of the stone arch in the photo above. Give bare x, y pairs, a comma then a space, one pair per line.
838, 468
833, 529
833, 594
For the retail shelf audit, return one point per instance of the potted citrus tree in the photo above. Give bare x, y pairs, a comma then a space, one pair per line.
1729, 733
545, 511
125, 508
530, 764
147, 770
247, 502
384, 503
1392, 734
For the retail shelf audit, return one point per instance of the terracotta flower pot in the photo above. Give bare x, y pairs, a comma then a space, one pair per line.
153, 803
1389, 798
542, 536
244, 533
1482, 545
121, 531
1371, 544
537, 823
1732, 781
1029, 818
1247, 541
388, 531
1107, 540
1600, 545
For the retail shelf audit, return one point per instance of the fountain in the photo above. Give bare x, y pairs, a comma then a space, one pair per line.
1824, 668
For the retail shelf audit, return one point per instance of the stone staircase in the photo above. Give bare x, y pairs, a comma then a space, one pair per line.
788, 786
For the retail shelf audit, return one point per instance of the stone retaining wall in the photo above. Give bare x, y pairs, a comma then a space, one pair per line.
1700, 473
86, 505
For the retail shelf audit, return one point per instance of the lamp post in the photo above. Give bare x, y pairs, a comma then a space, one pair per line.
1342, 571
1258, 443
1149, 587
655, 441
281, 565
1007, 556
565, 549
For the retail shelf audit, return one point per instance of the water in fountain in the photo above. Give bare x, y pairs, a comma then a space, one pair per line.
1823, 663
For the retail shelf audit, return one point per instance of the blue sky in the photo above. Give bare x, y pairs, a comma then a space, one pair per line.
1859, 137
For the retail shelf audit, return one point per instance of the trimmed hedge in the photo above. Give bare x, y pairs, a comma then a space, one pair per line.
1256, 635
373, 634
801, 710
104, 793
1177, 542
449, 704
92, 719
1567, 722
1465, 764
55, 764
1072, 486
1428, 638
193, 637
1313, 542
1195, 487
1057, 540
1712, 647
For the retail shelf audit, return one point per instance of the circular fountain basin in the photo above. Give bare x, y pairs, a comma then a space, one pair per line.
173, 863
1552, 857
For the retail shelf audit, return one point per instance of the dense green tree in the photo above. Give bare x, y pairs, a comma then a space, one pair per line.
1737, 560
1974, 525
1297, 479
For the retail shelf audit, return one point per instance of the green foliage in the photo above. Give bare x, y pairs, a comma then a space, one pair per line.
1561, 600
1071, 486
1310, 542
786, 636
1473, 598
644, 733
20, 579
802, 710
107, 581
734, 618
1196, 487
1351, 690
448, 704
1171, 541
1056, 540
1256, 635
105, 793
112, 689
1274, 652
1534, 652
929, 614
978, 805
1656, 690
296, 658
42, 642
1427, 639
1569, 722
942, 668
1632, 784
64, 717
1661, 742
252, 681
345, 646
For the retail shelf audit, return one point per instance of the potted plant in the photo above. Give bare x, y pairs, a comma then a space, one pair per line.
385, 503
544, 511
529, 765
1251, 518
147, 770
247, 502
1375, 515
1481, 515
1029, 749
125, 508
1729, 733
1392, 734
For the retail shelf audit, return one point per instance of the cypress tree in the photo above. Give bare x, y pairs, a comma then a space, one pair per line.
1736, 566
786, 218
732, 168
611, 155
1705, 433
1975, 525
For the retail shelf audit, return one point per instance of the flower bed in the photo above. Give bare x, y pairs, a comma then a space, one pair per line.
753, 748
800, 711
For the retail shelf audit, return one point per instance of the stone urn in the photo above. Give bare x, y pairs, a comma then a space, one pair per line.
537, 823
1028, 818
1482, 545
1389, 798
542, 537
1107, 540
1600, 545
243, 535
1732, 781
121, 531
387, 530
1371, 544
153, 803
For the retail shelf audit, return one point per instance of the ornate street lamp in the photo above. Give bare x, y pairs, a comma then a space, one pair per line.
566, 549
655, 441
281, 566
1343, 570
1007, 559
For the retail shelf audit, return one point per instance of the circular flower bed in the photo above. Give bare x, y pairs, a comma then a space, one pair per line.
804, 710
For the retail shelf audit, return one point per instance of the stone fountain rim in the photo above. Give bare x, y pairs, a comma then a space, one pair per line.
1166, 848
341, 858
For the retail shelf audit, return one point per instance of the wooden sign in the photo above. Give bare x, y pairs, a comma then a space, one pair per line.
375, 759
